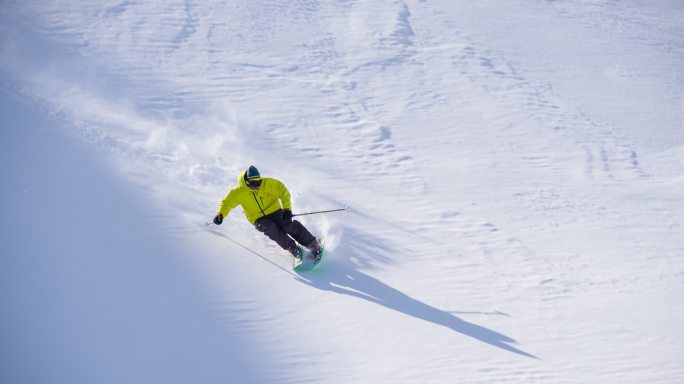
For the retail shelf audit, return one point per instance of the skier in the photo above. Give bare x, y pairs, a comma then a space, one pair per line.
266, 202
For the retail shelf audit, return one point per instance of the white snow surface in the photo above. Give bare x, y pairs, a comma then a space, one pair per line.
513, 171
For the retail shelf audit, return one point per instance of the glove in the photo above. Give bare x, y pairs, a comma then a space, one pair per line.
287, 216
218, 219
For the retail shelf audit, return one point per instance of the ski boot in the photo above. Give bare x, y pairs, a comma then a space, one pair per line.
296, 253
315, 249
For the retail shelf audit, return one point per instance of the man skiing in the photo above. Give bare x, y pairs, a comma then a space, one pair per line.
266, 202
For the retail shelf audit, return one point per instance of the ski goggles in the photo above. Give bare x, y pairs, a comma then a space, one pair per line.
254, 183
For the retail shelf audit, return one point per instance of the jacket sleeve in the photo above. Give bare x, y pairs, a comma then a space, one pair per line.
228, 203
283, 194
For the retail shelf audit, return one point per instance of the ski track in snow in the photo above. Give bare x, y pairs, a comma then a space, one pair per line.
503, 227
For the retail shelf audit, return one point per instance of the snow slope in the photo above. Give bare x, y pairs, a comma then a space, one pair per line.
91, 291
513, 171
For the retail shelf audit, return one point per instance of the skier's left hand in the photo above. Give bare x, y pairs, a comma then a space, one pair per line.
218, 219
287, 216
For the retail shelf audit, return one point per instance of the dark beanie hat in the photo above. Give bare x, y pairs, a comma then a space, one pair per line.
252, 173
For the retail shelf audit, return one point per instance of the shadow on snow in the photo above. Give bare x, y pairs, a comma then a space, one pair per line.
358, 284
354, 283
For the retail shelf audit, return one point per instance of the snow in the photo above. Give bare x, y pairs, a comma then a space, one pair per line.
513, 172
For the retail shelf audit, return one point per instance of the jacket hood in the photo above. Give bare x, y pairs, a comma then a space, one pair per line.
241, 179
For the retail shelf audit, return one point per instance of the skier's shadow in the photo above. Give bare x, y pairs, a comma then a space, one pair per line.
358, 284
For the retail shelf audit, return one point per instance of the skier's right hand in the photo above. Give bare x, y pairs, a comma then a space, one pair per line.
287, 216
218, 219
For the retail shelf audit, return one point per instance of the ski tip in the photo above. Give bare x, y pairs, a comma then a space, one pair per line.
296, 263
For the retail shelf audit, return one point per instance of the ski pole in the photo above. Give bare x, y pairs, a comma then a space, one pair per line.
317, 212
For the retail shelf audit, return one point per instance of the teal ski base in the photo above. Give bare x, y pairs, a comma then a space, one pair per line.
308, 263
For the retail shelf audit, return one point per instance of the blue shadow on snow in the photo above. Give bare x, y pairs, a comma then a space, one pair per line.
360, 285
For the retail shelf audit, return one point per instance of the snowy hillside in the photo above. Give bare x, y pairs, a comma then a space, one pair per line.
513, 170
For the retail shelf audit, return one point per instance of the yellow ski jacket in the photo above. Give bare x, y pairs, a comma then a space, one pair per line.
256, 204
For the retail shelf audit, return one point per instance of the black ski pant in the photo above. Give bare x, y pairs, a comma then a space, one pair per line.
283, 233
